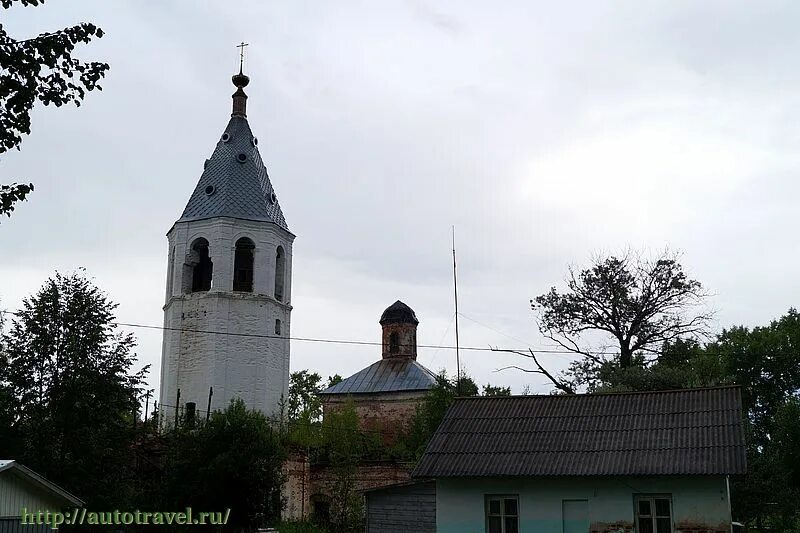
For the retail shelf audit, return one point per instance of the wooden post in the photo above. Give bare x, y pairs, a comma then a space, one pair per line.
208, 408
177, 403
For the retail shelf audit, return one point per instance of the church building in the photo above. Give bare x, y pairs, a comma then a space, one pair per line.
386, 394
229, 277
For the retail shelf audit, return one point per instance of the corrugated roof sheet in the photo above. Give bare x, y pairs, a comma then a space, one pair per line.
241, 189
386, 375
693, 431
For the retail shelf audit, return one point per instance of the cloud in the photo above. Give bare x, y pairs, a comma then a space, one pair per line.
542, 131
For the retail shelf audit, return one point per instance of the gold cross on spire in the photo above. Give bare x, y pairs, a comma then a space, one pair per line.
241, 54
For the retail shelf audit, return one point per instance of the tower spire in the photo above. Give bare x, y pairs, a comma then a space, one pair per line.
240, 81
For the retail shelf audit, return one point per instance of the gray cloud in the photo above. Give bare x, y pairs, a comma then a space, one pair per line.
542, 131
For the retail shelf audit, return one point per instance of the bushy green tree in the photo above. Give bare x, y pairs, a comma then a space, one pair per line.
39, 69
344, 442
231, 461
69, 390
494, 390
431, 411
765, 362
304, 402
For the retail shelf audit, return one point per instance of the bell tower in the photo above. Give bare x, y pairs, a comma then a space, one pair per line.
229, 284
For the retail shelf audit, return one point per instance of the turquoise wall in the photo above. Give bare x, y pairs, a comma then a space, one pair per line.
695, 500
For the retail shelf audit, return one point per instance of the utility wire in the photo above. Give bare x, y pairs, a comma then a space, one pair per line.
436, 353
493, 329
326, 341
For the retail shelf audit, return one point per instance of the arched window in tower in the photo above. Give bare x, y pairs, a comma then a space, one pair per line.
202, 267
394, 342
280, 272
243, 265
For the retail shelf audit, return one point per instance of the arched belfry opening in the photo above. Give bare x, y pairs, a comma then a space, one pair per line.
243, 265
280, 272
200, 266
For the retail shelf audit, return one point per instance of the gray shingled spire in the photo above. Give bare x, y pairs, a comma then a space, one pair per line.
235, 182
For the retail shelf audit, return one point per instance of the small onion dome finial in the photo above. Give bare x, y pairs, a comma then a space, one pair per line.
239, 97
240, 80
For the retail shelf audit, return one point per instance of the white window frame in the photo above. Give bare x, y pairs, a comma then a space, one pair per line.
501, 497
654, 516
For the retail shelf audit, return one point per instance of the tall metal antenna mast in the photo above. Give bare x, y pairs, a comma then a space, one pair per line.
455, 299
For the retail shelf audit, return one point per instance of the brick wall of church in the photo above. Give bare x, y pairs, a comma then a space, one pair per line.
306, 484
385, 413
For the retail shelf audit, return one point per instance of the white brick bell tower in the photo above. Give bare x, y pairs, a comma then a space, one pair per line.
229, 278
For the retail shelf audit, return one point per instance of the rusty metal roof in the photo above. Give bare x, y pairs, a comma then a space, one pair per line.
386, 375
683, 432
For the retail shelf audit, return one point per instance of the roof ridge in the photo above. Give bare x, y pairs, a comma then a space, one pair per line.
594, 394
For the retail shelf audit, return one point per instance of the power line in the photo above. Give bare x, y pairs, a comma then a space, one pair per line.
328, 341
517, 339
436, 353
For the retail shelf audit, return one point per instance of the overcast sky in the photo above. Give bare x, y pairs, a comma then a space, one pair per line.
544, 131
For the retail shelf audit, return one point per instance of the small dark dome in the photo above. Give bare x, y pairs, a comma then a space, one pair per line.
398, 313
240, 80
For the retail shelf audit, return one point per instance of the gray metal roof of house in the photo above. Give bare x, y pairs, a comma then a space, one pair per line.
684, 432
241, 186
386, 375
39, 481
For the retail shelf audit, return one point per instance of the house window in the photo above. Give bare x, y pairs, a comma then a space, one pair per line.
277, 326
243, 265
654, 514
502, 514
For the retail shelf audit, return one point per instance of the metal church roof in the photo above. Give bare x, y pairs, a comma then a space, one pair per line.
235, 182
387, 375
398, 313
682, 432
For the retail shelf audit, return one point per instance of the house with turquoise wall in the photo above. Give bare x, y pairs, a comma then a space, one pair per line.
646, 462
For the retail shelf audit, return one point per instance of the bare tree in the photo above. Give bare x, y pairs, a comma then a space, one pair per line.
635, 302
561, 384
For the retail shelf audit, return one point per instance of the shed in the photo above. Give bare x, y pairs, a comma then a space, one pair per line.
652, 462
402, 508
23, 490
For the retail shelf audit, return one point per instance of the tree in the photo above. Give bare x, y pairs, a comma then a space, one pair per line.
304, 402
492, 390
67, 379
41, 69
344, 442
233, 461
431, 411
765, 362
638, 304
